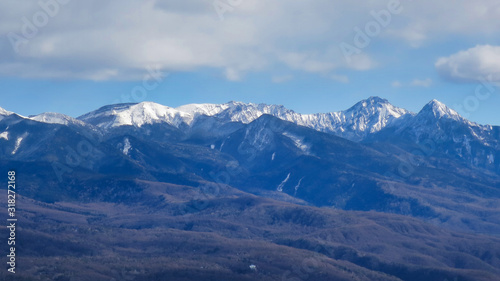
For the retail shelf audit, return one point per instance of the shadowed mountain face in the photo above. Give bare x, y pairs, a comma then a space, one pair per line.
374, 192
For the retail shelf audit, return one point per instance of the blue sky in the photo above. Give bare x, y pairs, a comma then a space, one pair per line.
73, 57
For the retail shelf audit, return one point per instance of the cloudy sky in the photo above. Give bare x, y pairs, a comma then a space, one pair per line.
73, 56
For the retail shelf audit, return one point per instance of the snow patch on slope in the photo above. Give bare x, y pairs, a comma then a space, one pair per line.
18, 143
126, 146
282, 184
258, 140
297, 186
299, 142
4, 135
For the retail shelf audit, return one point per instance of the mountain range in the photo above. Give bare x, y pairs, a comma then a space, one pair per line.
389, 170
369, 121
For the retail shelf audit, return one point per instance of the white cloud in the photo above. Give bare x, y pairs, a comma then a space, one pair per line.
307, 62
414, 35
340, 78
361, 62
422, 21
476, 64
422, 83
103, 40
396, 84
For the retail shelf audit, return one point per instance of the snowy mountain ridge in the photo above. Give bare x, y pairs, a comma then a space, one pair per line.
365, 118
368, 116
135, 115
47, 117
55, 118
373, 120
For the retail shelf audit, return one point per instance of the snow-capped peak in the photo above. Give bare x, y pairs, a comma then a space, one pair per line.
440, 110
136, 115
377, 107
4, 113
372, 101
55, 118
365, 117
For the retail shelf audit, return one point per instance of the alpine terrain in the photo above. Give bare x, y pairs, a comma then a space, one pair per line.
241, 191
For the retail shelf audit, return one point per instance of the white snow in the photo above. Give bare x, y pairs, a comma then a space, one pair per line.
299, 142
440, 110
18, 143
282, 184
138, 115
149, 113
4, 113
419, 126
202, 109
4, 135
258, 140
126, 146
222, 145
367, 116
297, 186
55, 118
371, 115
